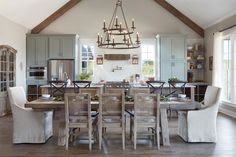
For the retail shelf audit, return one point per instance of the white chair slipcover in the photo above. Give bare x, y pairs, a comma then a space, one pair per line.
200, 125
28, 126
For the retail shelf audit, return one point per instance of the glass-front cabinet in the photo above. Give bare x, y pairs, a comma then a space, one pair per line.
7, 75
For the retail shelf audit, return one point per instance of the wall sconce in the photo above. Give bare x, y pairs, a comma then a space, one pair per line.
99, 59
135, 59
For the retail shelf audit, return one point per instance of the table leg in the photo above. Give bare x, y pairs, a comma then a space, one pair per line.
165, 127
61, 134
192, 93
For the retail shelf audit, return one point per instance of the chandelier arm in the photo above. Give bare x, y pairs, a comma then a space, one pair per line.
113, 18
115, 29
126, 24
111, 22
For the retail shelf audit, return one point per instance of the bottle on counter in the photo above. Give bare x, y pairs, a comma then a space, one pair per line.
68, 82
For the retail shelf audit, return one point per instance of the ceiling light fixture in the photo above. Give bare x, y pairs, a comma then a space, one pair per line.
116, 35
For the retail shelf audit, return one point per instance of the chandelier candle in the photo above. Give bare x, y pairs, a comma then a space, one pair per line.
121, 35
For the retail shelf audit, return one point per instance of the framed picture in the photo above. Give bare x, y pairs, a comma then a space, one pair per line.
210, 63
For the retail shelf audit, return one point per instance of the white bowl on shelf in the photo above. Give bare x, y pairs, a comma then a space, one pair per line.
181, 95
46, 96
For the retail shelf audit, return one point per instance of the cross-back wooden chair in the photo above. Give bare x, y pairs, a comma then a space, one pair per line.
78, 115
57, 88
80, 84
155, 86
146, 115
177, 87
111, 114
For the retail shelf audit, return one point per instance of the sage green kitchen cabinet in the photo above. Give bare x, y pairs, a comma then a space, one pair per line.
36, 50
62, 47
173, 57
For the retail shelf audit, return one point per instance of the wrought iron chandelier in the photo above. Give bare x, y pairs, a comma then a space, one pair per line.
116, 35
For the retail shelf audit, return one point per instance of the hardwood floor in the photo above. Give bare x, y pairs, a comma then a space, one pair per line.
225, 147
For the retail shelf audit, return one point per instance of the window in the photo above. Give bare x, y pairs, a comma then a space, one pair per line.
87, 58
148, 61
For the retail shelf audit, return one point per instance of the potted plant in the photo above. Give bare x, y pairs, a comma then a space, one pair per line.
83, 76
172, 80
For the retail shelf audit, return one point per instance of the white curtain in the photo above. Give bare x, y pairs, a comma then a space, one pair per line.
233, 68
217, 60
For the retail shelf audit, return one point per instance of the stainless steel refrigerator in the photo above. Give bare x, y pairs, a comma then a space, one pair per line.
61, 70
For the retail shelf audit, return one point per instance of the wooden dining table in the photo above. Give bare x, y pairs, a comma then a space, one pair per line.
41, 104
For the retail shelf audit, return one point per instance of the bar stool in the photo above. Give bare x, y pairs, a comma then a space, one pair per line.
57, 88
80, 84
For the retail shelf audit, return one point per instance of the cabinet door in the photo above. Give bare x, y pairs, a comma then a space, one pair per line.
31, 51
37, 51
62, 47
3, 106
165, 70
41, 51
165, 48
55, 48
178, 50
68, 47
178, 69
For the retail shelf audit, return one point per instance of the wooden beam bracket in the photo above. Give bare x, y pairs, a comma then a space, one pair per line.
54, 16
181, 17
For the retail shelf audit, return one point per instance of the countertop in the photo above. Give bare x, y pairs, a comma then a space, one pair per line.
135, 85
72, 86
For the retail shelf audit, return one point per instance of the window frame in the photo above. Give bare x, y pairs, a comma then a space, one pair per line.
149, 44
87, 60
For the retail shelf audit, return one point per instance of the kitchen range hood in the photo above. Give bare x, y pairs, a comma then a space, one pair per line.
117, 56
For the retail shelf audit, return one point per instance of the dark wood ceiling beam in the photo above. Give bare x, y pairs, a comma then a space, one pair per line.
181, 17
54, 16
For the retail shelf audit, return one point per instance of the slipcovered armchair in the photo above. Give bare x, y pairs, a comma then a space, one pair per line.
200, 125
28, 126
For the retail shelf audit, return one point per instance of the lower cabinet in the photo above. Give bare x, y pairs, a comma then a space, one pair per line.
3, 106
199, 92
34, 90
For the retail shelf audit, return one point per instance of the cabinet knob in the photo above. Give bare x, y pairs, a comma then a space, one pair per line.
172, 56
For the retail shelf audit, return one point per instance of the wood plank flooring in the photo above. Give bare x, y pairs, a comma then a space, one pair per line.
225, 147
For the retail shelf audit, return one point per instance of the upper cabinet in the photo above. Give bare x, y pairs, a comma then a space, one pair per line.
62, 47
40, 48
173, 55
37, 50
172, 48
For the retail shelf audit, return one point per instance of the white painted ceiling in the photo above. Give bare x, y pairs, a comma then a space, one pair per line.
30, 13
205, 12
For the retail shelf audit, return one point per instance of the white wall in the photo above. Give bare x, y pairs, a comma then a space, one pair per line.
86, 20
209, 38
13, 34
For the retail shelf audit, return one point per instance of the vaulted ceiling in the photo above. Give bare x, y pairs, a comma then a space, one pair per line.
30, 13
